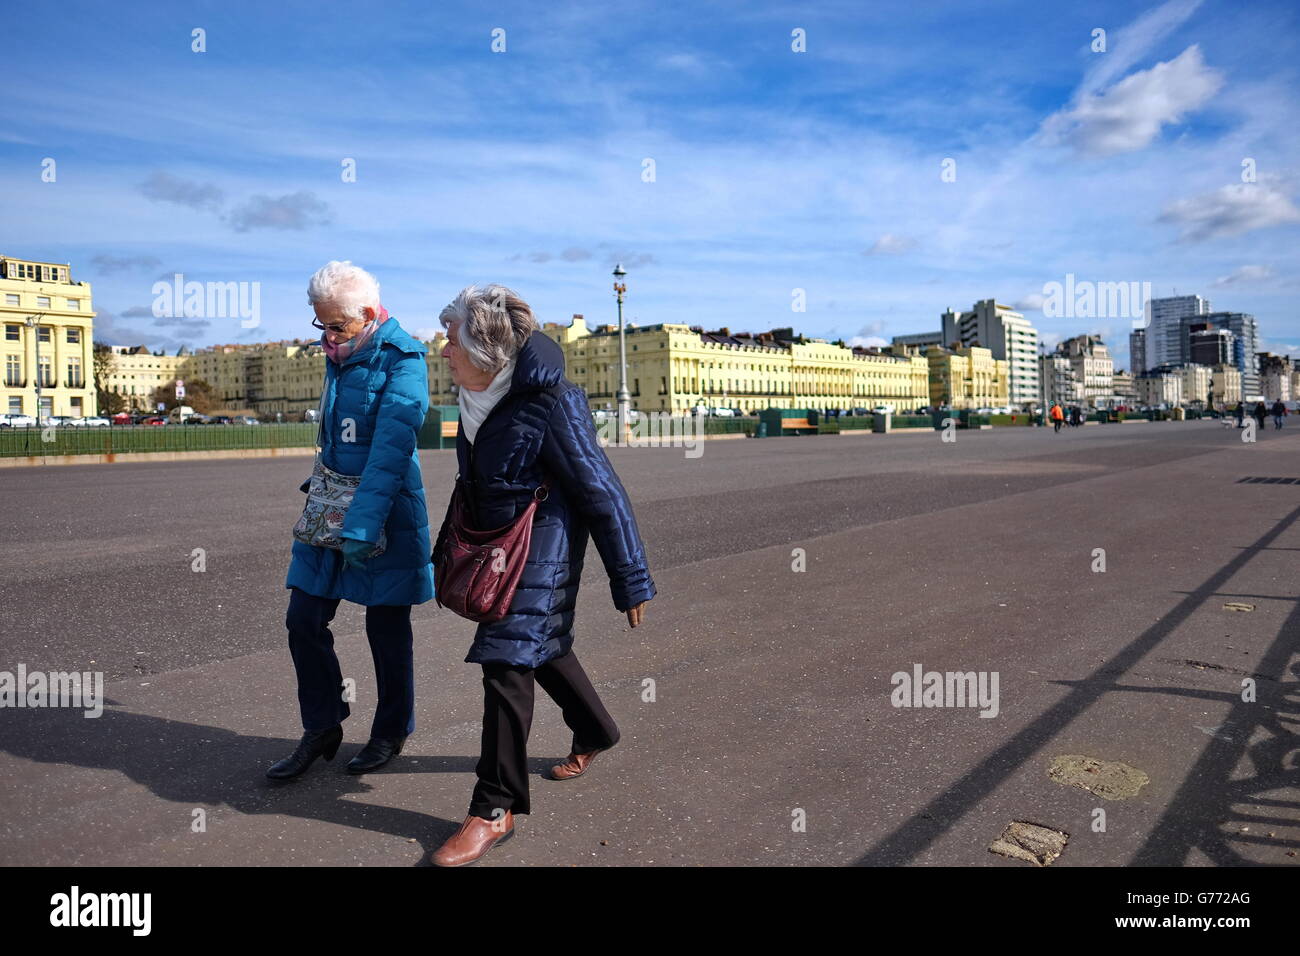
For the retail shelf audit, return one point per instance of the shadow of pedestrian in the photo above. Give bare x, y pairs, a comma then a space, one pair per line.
194, 765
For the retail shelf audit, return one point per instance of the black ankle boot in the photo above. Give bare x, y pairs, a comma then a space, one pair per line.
314, 743
375, 754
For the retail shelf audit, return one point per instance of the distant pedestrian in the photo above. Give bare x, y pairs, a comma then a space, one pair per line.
1279, 411
1240, 412
1058, 416
1260, 414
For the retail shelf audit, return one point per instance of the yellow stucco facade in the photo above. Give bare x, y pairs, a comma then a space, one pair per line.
673, 368
56, 348
968, 378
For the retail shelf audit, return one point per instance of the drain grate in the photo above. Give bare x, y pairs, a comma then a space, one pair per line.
1268, 481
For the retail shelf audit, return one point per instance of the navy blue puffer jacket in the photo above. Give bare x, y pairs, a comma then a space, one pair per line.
543, 427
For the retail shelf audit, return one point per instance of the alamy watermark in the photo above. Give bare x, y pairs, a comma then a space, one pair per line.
1084, 299
208, 300
657, 430
946, 689
53, 689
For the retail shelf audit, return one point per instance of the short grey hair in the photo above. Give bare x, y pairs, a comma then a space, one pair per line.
350, 287
494, 324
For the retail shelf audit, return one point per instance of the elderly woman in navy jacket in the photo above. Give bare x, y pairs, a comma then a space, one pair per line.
376, 393
522, 422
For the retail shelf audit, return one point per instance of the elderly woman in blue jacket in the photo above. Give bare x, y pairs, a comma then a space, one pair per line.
373, 405
522, 422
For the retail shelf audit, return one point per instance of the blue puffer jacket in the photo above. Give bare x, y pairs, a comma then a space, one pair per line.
543, 427
372, 409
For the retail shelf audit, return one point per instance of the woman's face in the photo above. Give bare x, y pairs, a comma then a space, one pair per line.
338, 327
463, 372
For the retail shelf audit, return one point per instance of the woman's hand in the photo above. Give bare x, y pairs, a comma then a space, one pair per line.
634, 614
355, 553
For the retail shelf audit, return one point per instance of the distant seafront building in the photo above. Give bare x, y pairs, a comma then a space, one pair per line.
673, 367
1278, 377
968, 378
1007, 334
1059, 383
1166, 327
1245, 346
134, 372
61, 332
1137, 351
1093, 368
1210, 346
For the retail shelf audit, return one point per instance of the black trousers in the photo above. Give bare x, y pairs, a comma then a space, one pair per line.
508, 716
320, 681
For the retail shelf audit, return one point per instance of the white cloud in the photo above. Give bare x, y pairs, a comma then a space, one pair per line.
1230, 211
1245, 274
1030, 303
1129, 115
294, 211
891, 245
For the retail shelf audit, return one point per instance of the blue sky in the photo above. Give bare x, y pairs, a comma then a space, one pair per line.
775, 170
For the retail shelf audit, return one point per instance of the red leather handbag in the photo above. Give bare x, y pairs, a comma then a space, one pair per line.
476, 572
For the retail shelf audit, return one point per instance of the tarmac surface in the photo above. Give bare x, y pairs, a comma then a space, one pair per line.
771, 738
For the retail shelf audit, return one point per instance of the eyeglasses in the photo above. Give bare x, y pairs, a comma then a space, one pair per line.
330, 328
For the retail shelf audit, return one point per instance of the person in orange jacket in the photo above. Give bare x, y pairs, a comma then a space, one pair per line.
1058, 416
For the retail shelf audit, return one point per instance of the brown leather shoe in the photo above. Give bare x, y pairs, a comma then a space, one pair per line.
474, 838
575, 765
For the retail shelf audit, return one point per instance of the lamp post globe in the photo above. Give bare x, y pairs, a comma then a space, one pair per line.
623, 398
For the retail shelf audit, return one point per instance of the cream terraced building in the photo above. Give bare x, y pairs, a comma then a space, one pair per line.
134, 373
968, 378
673, 367
56, 349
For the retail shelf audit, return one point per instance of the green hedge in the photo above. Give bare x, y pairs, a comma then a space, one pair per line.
118, 439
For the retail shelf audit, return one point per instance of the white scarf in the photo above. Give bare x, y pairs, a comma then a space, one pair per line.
474, 406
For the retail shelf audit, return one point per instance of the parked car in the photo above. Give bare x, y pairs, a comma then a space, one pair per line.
93, 421
154, 420
17, 421
723, 413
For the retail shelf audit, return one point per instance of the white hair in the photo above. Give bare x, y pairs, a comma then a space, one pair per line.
349, 287
494, 323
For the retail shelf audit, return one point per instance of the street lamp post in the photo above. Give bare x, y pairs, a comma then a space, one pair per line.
34, 323
623, 398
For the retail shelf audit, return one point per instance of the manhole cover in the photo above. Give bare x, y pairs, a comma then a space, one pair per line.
1106, 778
1030, 842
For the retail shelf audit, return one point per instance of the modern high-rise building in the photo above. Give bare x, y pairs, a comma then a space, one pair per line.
1137, 351
1007, 334
1166, 330
1245, 345
1210, 346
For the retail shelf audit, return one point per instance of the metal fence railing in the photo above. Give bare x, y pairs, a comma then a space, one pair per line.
121, 439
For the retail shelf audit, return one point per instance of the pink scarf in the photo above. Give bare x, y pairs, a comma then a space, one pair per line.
342, 350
